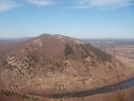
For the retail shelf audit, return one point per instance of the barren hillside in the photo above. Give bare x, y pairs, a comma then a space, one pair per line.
57, 64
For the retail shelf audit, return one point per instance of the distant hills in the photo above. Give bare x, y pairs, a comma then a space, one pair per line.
16, 39
119, 41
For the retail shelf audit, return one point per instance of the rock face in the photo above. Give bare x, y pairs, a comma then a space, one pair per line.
56, 63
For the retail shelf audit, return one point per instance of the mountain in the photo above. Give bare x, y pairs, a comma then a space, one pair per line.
56, 64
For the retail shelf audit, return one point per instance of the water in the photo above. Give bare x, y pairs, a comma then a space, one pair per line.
128, 83
120, 86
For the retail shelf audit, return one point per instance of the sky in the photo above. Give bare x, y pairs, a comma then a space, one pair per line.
74, 18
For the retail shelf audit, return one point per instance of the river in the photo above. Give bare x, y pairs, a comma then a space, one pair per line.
123, 85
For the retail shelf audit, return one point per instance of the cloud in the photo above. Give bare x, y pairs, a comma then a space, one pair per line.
9, 4
126, 4
6, 5
103, 3
40, 2
84, 4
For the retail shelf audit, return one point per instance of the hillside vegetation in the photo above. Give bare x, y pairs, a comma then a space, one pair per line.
56, 64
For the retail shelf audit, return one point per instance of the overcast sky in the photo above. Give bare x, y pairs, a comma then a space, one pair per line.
74, 18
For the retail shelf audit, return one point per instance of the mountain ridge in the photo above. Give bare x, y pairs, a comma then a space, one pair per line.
59, 63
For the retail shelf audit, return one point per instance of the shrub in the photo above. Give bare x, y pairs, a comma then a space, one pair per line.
102, 55
4, 62
68, 50
52, 68
58, 65
119, 97
85, 52
35, 99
